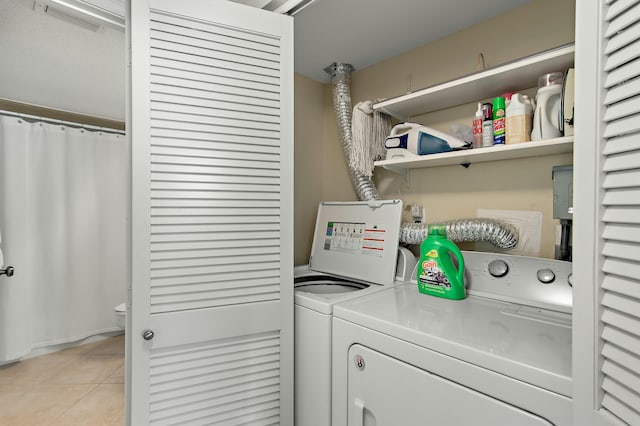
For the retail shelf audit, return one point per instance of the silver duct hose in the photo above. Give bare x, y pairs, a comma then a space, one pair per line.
499, 233
496, 232
341, 80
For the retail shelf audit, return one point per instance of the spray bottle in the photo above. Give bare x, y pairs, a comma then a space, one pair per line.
499, 112
437, 274
487, 125
477, 127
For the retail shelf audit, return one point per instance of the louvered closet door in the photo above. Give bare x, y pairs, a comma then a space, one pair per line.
211, 128
620, 313
617, 237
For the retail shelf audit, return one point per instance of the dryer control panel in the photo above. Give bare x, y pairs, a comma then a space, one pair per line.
530, 281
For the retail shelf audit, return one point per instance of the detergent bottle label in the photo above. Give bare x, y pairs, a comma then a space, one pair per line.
432, 274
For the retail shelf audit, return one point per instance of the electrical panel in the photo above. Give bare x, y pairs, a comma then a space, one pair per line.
563, 192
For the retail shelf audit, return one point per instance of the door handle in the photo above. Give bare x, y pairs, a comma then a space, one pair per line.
147, 334
359, 411
8, 271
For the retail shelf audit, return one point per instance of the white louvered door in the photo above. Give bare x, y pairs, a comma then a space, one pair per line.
211, 123
607, 266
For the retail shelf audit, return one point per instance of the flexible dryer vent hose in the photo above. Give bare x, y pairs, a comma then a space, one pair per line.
496, 232
341, 81
499, 233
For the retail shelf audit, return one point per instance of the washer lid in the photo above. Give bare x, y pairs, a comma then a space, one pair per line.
357, 240
323, 284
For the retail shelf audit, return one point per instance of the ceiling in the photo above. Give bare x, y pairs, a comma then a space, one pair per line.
365, 32
357, 32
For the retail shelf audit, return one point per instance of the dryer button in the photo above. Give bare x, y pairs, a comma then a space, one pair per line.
546, 276
498, 268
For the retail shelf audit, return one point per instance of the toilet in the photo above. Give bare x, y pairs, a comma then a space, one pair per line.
121, 314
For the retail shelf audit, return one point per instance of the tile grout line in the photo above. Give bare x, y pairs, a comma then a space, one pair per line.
65, 361
93, 389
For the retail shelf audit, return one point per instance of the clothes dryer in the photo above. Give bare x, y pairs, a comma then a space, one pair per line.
502, 356
354, 253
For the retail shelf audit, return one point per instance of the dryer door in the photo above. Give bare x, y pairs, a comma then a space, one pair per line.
386, 391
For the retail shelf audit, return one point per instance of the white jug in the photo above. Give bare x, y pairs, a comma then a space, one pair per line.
546, 124
518, 119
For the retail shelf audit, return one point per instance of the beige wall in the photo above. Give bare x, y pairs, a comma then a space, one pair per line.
308, 161
523, 31
447, 192
320, 173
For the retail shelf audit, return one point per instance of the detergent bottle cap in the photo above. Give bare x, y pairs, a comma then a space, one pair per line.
438, 230
550, 79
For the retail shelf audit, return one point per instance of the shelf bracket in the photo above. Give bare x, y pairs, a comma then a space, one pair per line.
402, 171
399, 170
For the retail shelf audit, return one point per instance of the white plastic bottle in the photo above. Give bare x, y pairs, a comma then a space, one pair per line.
518, 120
529, 104
546, 115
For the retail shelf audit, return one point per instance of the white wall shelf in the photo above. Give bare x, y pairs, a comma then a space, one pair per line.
512, 76
478, 155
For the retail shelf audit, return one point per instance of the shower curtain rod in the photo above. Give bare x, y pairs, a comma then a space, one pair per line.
32, 118
52, 116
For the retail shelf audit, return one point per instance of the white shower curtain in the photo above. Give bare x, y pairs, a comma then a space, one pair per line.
63, 218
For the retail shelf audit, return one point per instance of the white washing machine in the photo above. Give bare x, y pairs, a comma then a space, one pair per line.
502, 356
354, 253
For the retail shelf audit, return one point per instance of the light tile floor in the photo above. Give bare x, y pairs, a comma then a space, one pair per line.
83, 385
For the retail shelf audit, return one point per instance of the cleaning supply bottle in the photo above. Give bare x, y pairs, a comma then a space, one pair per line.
437, 274
518, 120
477, 128
546, 121
487, 125
499, 112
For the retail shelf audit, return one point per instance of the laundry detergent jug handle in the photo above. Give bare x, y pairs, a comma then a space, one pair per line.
450, 246
460, 273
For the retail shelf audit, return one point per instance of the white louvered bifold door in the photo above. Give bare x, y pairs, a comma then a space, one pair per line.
616, 366
212, 250
620, 312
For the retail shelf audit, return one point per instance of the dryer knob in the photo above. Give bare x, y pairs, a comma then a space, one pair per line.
498, 268
546, 276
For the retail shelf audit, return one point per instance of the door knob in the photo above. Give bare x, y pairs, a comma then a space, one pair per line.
147, 335
8, 271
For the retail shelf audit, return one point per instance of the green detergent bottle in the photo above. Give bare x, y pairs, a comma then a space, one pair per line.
437, 274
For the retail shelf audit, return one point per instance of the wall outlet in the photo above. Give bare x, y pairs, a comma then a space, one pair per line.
418, 213
529, 224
